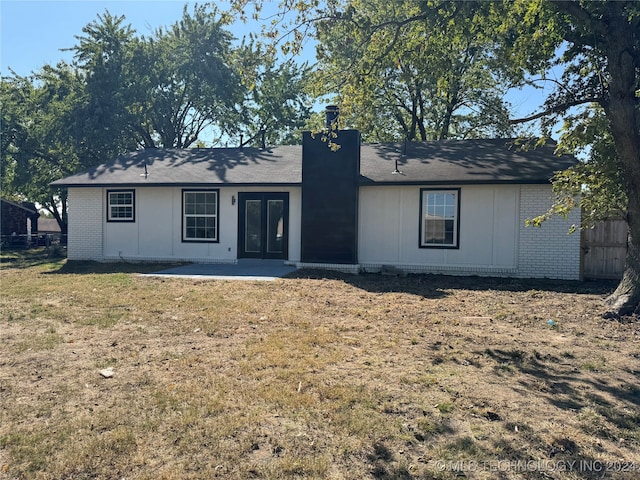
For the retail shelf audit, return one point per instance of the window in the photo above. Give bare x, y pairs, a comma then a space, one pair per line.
439, 218
200, 215
120, 206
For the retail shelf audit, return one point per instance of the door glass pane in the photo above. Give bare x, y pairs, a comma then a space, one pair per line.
252, 227
275, 226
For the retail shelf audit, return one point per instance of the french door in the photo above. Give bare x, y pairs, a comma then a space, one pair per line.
263, 224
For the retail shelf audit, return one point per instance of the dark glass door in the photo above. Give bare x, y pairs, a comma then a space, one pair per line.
263, 220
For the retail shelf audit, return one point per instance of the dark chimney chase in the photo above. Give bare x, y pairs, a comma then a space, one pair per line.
330, 195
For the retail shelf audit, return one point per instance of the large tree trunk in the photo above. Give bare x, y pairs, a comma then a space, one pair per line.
623, 113
625, 300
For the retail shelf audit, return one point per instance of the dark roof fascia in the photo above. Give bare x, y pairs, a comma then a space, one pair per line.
365, 182
180, 185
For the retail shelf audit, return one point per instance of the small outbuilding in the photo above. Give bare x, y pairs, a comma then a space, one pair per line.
18, 222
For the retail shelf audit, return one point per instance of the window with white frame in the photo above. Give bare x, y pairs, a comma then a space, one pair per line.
439, 218
200, 215
121, 206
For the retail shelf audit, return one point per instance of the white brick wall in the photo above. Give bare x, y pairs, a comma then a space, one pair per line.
547, 251
86, 218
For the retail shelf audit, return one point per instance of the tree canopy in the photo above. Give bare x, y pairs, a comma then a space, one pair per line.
400, 78
187, 84
599, 45
40, 138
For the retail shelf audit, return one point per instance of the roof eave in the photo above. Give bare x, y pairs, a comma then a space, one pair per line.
363, 182
171, 184
368, 182
17, 205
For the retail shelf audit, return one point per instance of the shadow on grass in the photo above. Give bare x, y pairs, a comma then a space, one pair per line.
32, 257
87, 267
611, 401
430, 285
383, 464
55, 258
532, 458
372, 282
426, 285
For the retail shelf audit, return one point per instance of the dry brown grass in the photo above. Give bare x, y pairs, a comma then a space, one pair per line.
314, 376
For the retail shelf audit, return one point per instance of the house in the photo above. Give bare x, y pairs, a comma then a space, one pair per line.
453, 207
19, 221
49, 232
48, 226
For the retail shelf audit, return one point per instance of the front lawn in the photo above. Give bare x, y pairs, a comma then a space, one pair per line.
314, 376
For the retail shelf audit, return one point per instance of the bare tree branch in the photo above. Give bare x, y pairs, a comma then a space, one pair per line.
555, 109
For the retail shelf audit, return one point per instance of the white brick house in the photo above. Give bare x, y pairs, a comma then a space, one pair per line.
454, 207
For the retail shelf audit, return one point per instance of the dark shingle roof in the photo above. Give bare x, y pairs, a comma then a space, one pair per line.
200, 166
460, 161
451, 161
26, 206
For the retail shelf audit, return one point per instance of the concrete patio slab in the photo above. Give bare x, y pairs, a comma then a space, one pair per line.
245, 269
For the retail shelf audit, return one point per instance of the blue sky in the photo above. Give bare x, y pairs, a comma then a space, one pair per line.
33, 32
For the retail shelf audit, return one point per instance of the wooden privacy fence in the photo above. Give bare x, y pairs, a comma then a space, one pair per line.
604, 249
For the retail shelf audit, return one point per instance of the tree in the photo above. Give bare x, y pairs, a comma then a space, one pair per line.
126, 92
196, 86
595, 184
39, 128
167, 90
105, 56
595, 44
276, 105
163, 91
600, 57
399, 78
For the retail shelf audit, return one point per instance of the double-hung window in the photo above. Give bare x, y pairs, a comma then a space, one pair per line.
121, 206
439, 218
200, 215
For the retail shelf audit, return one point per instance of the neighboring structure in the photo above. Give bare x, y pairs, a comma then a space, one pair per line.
19, 222
49, 232
453, 207
48, 226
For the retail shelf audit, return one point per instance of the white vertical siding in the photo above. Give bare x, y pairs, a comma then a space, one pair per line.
295, 224
493, 236
381, 229
221, 251
389, 234
505, 225
156, 235
87, 212
156, 221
